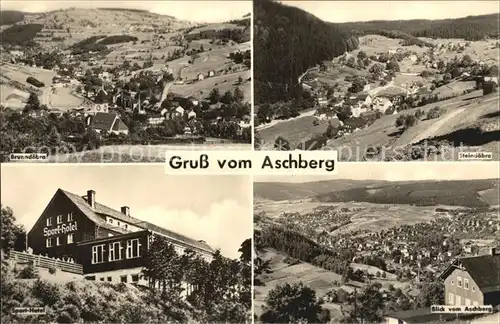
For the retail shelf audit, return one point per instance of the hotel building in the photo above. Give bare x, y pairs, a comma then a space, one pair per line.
110, 245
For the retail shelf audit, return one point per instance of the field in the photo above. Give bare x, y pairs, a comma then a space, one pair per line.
225, 82
21, 73
12, 97
454, 89
371, 216
460, 113
294, 130
64, 99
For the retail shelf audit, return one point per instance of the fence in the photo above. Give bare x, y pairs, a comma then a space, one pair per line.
46, 262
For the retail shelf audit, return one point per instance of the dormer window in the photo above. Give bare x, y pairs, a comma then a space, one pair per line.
111, 220
459, 282
59, 219
70, 217
49, 221
466, 284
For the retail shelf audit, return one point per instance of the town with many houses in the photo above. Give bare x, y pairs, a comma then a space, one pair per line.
169, 85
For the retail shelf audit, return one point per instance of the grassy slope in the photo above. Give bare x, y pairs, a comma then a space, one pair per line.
95, 301
295, 131
384, 133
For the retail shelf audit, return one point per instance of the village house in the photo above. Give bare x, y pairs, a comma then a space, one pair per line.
473, 280
200, 77
108, 122
211, 73
381, 104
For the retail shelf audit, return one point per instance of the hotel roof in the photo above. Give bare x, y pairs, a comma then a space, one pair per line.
94, 214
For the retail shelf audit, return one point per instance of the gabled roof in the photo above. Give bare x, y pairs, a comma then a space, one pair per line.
363, 95
484, 269
96, 215
91, 214
120, 125
175, 236
107, 122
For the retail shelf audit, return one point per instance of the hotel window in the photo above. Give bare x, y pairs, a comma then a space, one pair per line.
452, 282
90, 278
473, 288
110, 220
135, 278
97, 254
126, 226
451, 301
467, 301
459, 282
458, 302
70, 217
115, 251
48, 242
466, 284
59, 219
110, 279
70, 238
58, 241
123, 278
49, 221
133, 249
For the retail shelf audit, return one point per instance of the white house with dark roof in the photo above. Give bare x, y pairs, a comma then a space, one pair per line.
109, 122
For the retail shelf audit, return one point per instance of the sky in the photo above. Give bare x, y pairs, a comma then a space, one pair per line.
216, 209
400, 171
200, 11
351, 11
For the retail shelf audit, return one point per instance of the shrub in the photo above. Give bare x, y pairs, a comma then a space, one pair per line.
37, 83
419, 113
406, 121
45, 291
435, 112
52, 270
30, 272
281, 144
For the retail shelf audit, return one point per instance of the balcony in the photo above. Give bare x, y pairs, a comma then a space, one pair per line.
46, 262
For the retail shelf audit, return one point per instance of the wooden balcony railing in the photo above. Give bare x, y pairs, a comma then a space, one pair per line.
46, 262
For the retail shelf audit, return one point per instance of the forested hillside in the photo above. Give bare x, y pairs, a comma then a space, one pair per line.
470, 28
421, 193
9, 17
289, 41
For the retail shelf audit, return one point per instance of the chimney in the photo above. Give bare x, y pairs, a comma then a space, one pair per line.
125, 210
91, 198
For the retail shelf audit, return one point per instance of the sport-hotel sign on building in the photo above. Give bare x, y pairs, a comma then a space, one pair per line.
110, 245
60, 229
